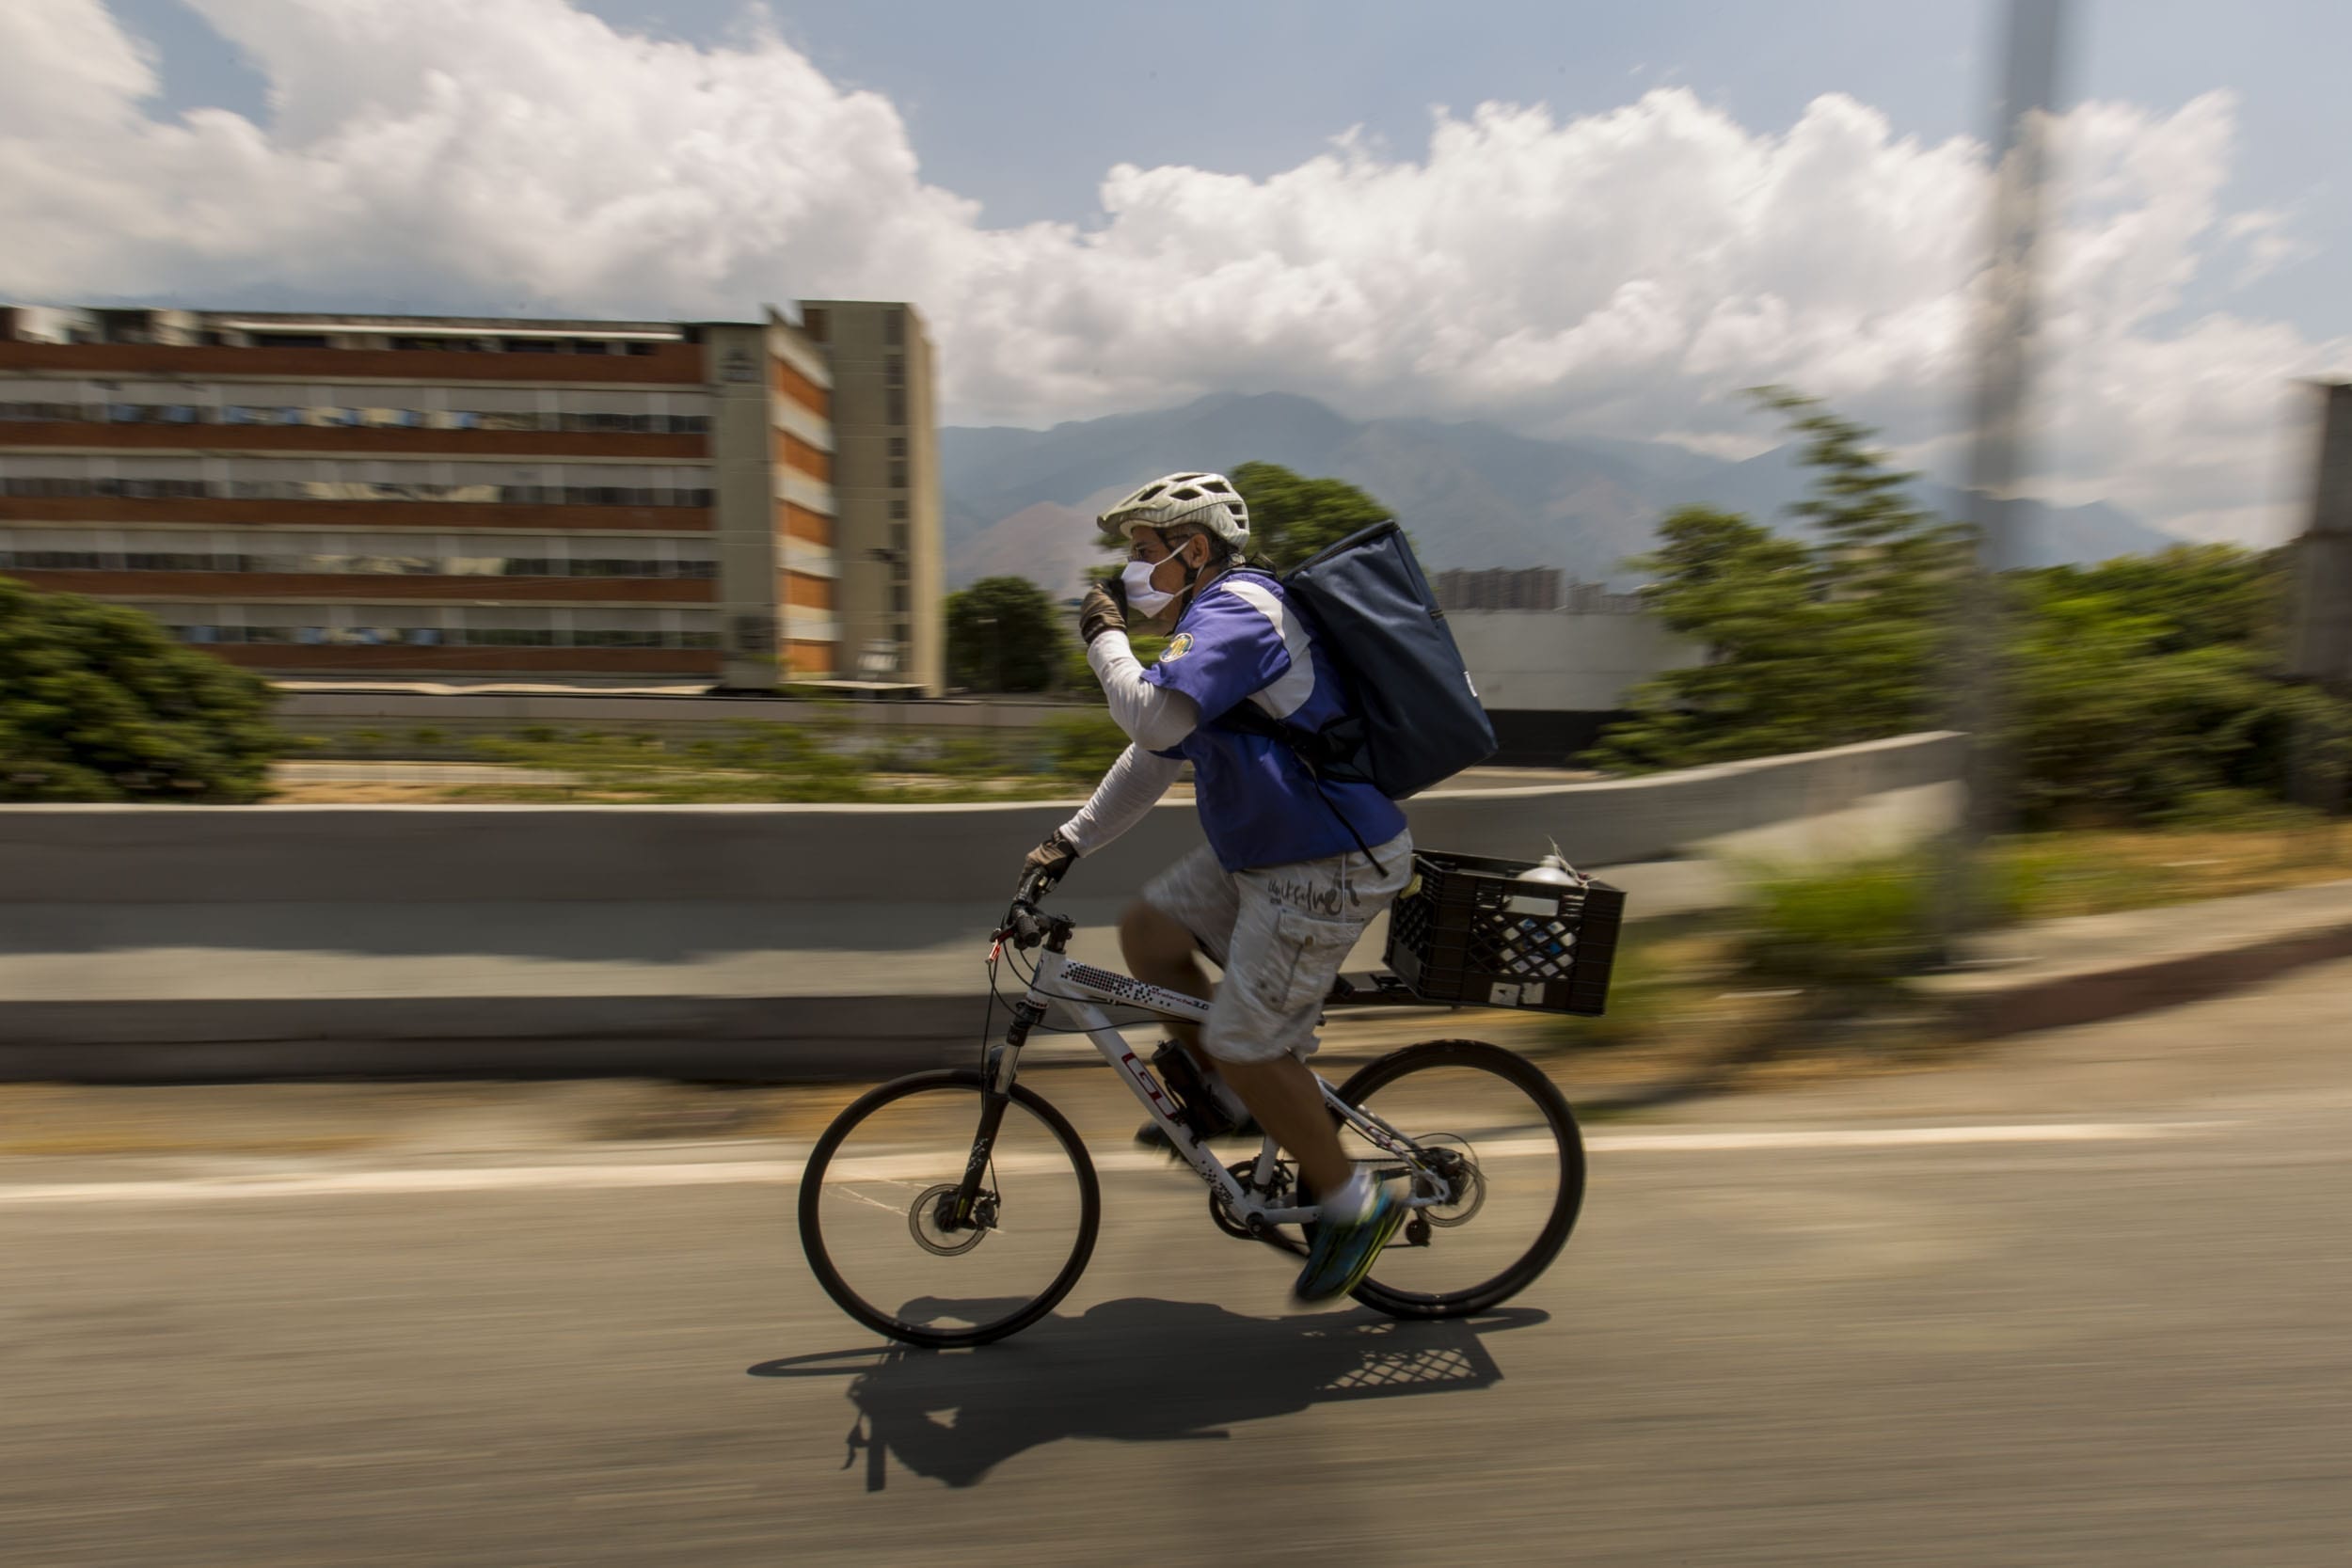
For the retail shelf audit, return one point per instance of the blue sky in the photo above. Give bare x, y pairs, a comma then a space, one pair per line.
1023, 104
1568, 219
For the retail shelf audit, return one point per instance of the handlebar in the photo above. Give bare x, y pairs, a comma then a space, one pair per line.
1027, 927
1023, 926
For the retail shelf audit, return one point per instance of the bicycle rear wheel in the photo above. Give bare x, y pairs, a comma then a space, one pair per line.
881, 1184
1504, 1127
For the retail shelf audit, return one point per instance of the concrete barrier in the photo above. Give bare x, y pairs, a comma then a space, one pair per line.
952, 854
394, 718
782, 940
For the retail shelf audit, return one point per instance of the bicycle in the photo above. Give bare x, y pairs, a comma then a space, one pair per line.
1021, 1244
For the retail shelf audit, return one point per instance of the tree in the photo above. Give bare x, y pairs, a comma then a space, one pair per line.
1749, 598
2145, 686
1291, 518
1809, 643
97, 702
2140, 689
1886, 574
1005, 634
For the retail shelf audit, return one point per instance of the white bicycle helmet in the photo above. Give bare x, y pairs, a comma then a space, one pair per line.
1203, 500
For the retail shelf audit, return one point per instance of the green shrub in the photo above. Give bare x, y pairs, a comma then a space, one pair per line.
1862, 923
1082, 747
2237, 811
98, 703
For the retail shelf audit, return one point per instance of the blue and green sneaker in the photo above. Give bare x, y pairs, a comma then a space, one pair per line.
1343, 1251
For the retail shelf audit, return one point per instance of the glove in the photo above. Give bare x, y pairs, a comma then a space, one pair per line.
1047, 861
1100, 611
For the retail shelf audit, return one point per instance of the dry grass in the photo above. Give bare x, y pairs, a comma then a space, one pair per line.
2094, 873
62, 1120
349, 794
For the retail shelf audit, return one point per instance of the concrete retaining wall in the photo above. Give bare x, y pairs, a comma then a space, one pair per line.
959, 854
1561, 661
746, 942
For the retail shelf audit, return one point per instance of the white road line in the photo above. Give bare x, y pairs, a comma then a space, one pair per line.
1898, 1137
387, 1183
947, 1164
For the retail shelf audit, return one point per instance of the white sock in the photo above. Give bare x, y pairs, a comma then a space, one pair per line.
1353, 1202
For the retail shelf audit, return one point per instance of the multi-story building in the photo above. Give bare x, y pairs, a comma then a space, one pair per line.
1529, 588
885, 485
1524, 588
385, 496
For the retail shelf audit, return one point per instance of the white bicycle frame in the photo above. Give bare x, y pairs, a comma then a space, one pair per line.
1080, 992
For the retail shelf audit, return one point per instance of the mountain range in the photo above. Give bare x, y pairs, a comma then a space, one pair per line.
1021, 502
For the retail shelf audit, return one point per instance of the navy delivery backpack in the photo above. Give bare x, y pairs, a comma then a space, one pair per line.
1419, 720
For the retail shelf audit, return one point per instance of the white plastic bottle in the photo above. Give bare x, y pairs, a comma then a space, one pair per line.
1552, 871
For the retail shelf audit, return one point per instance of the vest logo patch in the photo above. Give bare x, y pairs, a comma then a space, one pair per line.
1178, 646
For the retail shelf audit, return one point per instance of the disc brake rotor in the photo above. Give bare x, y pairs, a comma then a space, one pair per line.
925, 1220
1458, 1163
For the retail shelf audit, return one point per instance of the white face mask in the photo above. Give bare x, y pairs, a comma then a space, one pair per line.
1144, 599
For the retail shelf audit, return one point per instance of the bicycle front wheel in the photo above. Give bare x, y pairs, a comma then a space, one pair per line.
1516, 1162
877, 1196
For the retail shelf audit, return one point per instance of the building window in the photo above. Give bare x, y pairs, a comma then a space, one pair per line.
344, 490
898, 601
814, 324
898, 475
895, 411
899, 540
898, 509
319, 415
898, 445
894, 327
304, 563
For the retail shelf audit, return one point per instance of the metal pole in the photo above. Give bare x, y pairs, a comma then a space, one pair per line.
2319, 631
1998, 448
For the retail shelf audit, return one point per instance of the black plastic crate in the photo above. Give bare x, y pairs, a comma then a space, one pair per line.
1467, 929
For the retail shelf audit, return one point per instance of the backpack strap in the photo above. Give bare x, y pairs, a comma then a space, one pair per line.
1328, 755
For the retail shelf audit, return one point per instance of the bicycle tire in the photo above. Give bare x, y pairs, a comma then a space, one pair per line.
846, 1297
1569, 1200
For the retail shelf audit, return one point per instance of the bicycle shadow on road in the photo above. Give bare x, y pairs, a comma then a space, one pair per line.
1135, 1371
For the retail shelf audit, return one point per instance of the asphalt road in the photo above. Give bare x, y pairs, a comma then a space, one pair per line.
2081, 1302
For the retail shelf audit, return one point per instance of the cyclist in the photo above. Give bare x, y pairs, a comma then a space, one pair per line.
1293, 869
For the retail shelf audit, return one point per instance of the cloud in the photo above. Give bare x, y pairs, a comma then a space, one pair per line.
1623, 273
2267, 235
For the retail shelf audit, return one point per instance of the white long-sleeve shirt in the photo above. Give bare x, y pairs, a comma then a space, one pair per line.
1132, 787
1155, 720
1155, 717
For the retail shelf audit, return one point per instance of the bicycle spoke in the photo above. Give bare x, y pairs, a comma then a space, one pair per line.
882, 1219
1497, 1164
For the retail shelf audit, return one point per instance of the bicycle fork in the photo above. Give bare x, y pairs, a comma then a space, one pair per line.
957, 1208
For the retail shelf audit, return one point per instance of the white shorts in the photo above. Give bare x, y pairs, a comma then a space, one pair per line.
1280, 933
